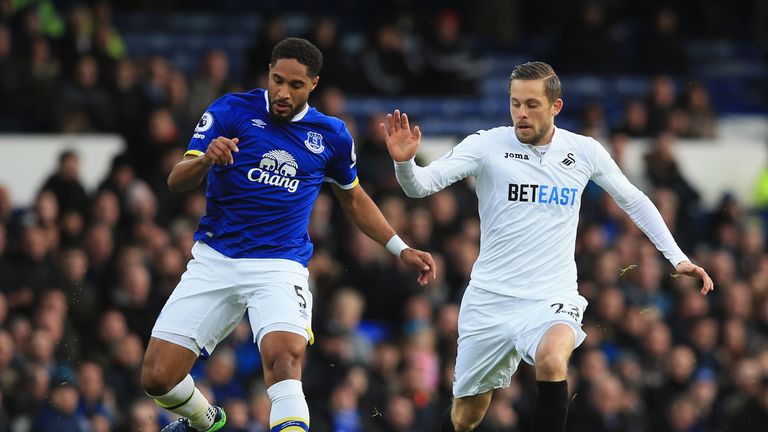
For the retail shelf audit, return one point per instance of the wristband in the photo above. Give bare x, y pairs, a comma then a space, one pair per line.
396, 245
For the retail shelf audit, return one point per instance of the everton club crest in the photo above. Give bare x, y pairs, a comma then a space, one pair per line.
314, 142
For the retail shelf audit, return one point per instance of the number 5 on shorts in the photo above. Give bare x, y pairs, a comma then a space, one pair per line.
302, 300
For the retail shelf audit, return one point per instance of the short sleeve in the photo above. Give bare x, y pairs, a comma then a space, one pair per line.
342, 169
215, 122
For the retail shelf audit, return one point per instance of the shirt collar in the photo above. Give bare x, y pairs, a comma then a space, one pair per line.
295, 118
549, 146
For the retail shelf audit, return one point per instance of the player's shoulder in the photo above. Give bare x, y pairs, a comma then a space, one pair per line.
567, 135
249, 99
501, 133
331, 124
577, 142
498, 131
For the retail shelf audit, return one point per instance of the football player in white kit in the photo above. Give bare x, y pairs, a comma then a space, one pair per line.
522, 301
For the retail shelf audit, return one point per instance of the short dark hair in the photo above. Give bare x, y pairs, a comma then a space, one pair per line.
302, 50
539, 70
67, 154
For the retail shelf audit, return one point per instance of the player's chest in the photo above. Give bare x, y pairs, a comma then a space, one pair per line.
554, 180
525, 166
284, 151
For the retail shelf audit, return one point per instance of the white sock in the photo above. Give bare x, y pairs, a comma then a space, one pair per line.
187, 401
289, 408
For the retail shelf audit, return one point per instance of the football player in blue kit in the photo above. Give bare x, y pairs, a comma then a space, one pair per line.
266, 154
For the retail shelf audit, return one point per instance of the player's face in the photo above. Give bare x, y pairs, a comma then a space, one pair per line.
289, 88
533, 114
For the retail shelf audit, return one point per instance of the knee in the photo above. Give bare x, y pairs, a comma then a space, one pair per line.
552, 367
465, 420
156, 380
284, 365
465, 424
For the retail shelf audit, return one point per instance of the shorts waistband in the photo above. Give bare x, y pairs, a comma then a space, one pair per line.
268, 264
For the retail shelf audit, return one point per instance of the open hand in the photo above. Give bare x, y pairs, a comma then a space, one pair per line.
402, 142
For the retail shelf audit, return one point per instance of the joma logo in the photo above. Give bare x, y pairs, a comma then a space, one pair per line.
515, 156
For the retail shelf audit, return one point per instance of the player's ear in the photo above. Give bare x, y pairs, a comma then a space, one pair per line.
314, 82
557, 105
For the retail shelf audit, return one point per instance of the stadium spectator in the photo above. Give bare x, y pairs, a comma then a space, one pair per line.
83, 105
220, 377
664, 49
450, 66
346, 310
389, 66
61, 412
96, 401
660, 104
702, 122
211, 82
339, 69
130, 112
157, 80
635, 120
66, 184
78, 38
663, 171
271, 32
40, 82
589, 45
9, 77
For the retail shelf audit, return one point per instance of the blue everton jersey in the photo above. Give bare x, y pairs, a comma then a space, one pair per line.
259, 207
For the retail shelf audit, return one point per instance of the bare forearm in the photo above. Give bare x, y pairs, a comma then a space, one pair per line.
372, 223
367, 216
188, 173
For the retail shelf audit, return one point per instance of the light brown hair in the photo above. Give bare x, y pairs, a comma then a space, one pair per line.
539, 70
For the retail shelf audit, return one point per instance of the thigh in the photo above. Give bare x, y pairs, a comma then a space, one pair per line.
470, 409
558, 339
281, 305
543, 315
167, 362
283, 347
486, 358
205, 306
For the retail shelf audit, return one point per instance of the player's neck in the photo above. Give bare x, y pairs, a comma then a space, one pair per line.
547, 138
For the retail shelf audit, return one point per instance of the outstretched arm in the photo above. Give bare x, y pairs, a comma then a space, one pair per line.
367, 216
646, 216
417, 182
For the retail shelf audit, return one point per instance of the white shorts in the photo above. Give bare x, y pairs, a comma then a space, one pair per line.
497, 331
216, 290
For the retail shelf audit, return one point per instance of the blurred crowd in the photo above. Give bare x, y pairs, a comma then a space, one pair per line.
83, 274
82, 277
69, 69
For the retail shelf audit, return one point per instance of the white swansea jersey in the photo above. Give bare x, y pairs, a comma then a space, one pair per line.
529, 206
